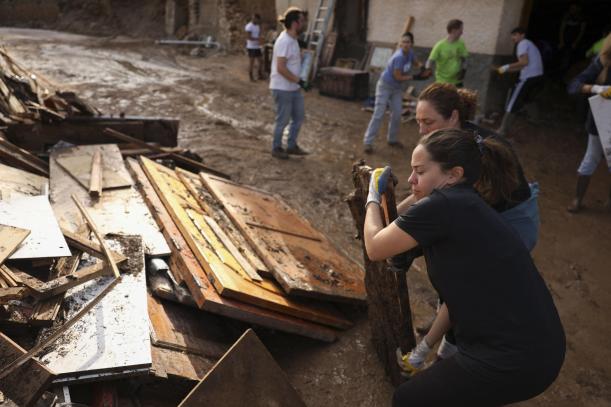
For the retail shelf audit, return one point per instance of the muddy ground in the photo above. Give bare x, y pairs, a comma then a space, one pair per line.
228, 120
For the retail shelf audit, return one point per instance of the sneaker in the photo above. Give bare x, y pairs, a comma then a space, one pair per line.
395, 144
296, 151
368, 149
279, 152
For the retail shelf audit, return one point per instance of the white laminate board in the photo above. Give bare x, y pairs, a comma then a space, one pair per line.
120, 211
35, 214
114, 337
15, 183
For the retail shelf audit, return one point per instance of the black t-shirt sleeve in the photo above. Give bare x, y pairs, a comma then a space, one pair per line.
426, 221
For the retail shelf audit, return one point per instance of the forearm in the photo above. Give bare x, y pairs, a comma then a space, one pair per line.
440, 326
402, 78
516, 66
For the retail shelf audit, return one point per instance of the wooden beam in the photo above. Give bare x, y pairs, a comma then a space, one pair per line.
44, 290
178, 158
12, 293
98, 235
92, 248
95, 180
21, 158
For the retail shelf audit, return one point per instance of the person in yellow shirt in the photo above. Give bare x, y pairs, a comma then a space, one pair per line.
449, 56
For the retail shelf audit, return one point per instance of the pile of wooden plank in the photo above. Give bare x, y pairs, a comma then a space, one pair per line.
114, 265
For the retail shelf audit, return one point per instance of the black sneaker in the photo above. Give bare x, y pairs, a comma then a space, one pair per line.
395, 144
368, 149
279, 152
296, 151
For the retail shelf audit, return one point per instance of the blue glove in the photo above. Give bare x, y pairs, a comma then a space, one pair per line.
377, 184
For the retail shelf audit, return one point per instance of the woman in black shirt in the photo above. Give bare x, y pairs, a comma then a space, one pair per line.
510, 339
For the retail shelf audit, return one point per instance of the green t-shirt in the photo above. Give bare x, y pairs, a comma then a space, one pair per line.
595, 48
447, 57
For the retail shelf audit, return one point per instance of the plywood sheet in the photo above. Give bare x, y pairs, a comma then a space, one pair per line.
15, 183
35, 214
226, 277
10, 239
77, 161
28, 382
117, 211
173, 363
114, 338
247, 375
182, 261
302, 259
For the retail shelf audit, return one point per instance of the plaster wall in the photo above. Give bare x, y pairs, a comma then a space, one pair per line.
487, 22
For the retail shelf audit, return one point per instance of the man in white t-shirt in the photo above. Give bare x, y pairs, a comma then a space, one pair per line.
285, 84
253, 45
530, 66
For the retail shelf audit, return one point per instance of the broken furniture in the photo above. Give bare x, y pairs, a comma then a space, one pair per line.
344, 83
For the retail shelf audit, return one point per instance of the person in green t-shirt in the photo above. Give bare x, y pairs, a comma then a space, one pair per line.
449, 56
597, 46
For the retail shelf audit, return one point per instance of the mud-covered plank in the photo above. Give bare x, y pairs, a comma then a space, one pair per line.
229, 281
302, 259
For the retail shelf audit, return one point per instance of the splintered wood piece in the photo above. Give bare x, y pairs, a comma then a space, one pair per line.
182, 261
176, 157
46, 311
303, 260
173, 363
12, 293
78, 162
92, 248
10, 239
98, 235
14, 155
27, 383
214, 209
10, 277
227, 281
95, 178
43, 290
247, 361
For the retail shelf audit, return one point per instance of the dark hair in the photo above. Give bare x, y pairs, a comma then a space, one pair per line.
256, 16
454, 24
409, 35
292, 15
446, 98
489, 164
518, 30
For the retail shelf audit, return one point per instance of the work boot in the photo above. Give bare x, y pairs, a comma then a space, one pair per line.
508, 121
395, 144
368, 149
582, 186
279, 152
296, 151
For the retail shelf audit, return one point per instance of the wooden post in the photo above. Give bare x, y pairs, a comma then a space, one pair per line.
95, 181
385, 281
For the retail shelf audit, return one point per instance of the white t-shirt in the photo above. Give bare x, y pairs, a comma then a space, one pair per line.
535, 64
287, 47
254, 30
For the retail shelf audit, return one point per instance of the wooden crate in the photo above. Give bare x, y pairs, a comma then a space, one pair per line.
344, 83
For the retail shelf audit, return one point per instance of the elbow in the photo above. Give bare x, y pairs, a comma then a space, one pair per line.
373, 250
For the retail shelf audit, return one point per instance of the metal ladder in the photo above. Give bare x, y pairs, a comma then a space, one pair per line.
318, 28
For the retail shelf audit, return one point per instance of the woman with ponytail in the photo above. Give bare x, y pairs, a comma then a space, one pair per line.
501, 184
509, 337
